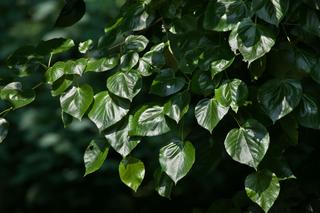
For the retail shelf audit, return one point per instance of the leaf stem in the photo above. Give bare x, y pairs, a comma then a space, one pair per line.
4, 112
237, 121
38, 85
50, 58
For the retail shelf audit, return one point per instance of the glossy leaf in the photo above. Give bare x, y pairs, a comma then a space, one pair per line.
77, 100
271, 11
223, 15
61, 85
149, 121
102, 64
279, 97
107, 110
125, 84
85, 46
309, 112
136, 43
94, 157
233, 93
128, 61
54, 46
209, 112
263, 188
4, 127
177, 106
16, 95
176, 159
248, 144
163, 184
131, 171
119, 139
252, 40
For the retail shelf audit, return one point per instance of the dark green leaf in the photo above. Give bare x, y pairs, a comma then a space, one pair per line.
61, 85
128, 61
136, 43
232, 93
309, 112
248, 144
119, 139
94, 157
279, 97
4, 126
223, 15
176, 159
102, 64
209, 112
271, 11
163, 184
131, 171
149, 121
252, 40
85, 46
107, 110
263, 188
54, 46
77, 100
177, 106
125, 84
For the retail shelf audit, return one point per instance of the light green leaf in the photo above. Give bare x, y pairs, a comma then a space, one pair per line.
128, 61
279, 97
232, 93
248, 144
252, 40
107, 110
177, 106
119, 139
4, 126
94, 157
263, 188
136, 43
163, 183
209, 112
176, 159
131, 171
102, 64
77, 100
271, 11
85, 46
149, 121
223, 15
309, 112
16, 95
125, 84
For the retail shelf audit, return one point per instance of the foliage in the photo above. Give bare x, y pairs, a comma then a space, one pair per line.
171, 69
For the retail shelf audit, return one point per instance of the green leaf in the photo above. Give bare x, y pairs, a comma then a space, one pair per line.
223, 15
279, 97
119, 139
232, 93
125, 84
85, 46
149, 121
102, 64
271, 11
202, 84
61, 85
4, 127
163, 183
176, 159
107, 110
177, 106
248, 144
94, 157
309, 112
128, 61
66, 119
263, 188
77, 100
54, 46
136, 43
16, 95
131, 171
209, 112
252, 40
165, 83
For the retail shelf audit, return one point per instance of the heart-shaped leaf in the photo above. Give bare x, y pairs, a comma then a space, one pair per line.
94, 157
177, 106
248, 144
309, 112
176, 159
136, 43
131, 171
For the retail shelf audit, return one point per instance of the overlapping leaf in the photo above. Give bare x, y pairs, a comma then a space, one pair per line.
131, 171
94, 157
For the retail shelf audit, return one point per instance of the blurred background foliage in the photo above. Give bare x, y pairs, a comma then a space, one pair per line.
41, 163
